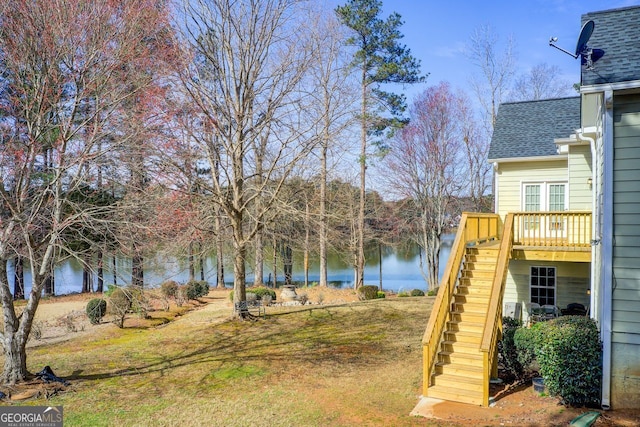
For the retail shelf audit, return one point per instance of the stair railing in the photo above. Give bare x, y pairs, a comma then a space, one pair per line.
473, 228
493, 323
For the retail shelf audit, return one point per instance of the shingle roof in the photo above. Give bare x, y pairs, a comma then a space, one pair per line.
617, 32
527, 129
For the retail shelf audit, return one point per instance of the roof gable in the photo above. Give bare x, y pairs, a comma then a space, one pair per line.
617, 32
527, 129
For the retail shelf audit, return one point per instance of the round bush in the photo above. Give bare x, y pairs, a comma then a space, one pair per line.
381, 295
96, 309
169, 288
203, 287
417, 293
367, 292
192, 290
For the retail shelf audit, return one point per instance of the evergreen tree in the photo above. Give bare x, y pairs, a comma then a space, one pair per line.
380, 58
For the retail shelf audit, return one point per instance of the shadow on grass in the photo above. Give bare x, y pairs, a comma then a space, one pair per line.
354, 334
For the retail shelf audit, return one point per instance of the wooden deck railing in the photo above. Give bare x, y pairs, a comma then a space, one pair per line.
493, 323
473, 227
560, 229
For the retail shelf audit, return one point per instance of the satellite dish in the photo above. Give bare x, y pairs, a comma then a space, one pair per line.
587, 55
583, 39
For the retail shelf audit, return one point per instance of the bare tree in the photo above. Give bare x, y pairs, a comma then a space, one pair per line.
495, 71
422, 166
333, 91
476, 149
249, 60
64, 67
541, 82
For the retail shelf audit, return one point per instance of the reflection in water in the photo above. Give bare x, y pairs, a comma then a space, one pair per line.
400, 270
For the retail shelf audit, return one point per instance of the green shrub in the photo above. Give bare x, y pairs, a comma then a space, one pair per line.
432, 292
417, 293
526, 342
261, 291
507, 350
96, 309
195, 289
402, 294
192, 290
381, 295
569, 353
367, 292
110, 290
204, 287
169, 288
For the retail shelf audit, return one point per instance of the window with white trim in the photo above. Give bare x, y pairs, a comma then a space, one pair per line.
542, 281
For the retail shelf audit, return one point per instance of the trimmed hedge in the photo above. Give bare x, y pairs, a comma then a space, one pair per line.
569, 352
417, 293
96, 309
367, 292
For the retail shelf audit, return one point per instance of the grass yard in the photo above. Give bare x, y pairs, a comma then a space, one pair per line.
344, 365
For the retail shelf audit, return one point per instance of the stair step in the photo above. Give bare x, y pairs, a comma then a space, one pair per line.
471, 299
460, 347
459, 382
480, 266
469, 307
478, 274
468, 316
458, 369
454, 394
460, 358
492, 258
463, 326
464, 336
473, 289
476, 281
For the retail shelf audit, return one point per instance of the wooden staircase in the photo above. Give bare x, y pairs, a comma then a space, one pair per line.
458, 371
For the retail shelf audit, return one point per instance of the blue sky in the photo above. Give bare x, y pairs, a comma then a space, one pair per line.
437, 31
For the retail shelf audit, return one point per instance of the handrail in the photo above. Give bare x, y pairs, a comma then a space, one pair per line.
559, 228
493, 322
472, 227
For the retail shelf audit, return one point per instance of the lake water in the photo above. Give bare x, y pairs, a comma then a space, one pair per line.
400, 271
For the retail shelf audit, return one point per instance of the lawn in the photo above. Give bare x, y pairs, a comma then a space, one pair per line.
343, 365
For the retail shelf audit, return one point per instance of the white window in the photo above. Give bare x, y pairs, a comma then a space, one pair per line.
543, 285
544, 196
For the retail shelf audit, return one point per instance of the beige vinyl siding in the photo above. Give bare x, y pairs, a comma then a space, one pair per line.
512, 175
580, 192
572, 282
626, 220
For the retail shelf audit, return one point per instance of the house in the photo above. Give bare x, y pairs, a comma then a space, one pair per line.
566, 227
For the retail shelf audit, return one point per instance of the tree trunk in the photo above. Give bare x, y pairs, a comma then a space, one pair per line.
50, 282
219, 251
192, 265
86, 279
287, 260
306, 245
137, 273
100, 285
115, 271
259, 261
363, 169
275, 263
323, 216
18, 278
15, 330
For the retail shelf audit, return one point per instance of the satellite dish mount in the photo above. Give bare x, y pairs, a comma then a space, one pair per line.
588, 56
